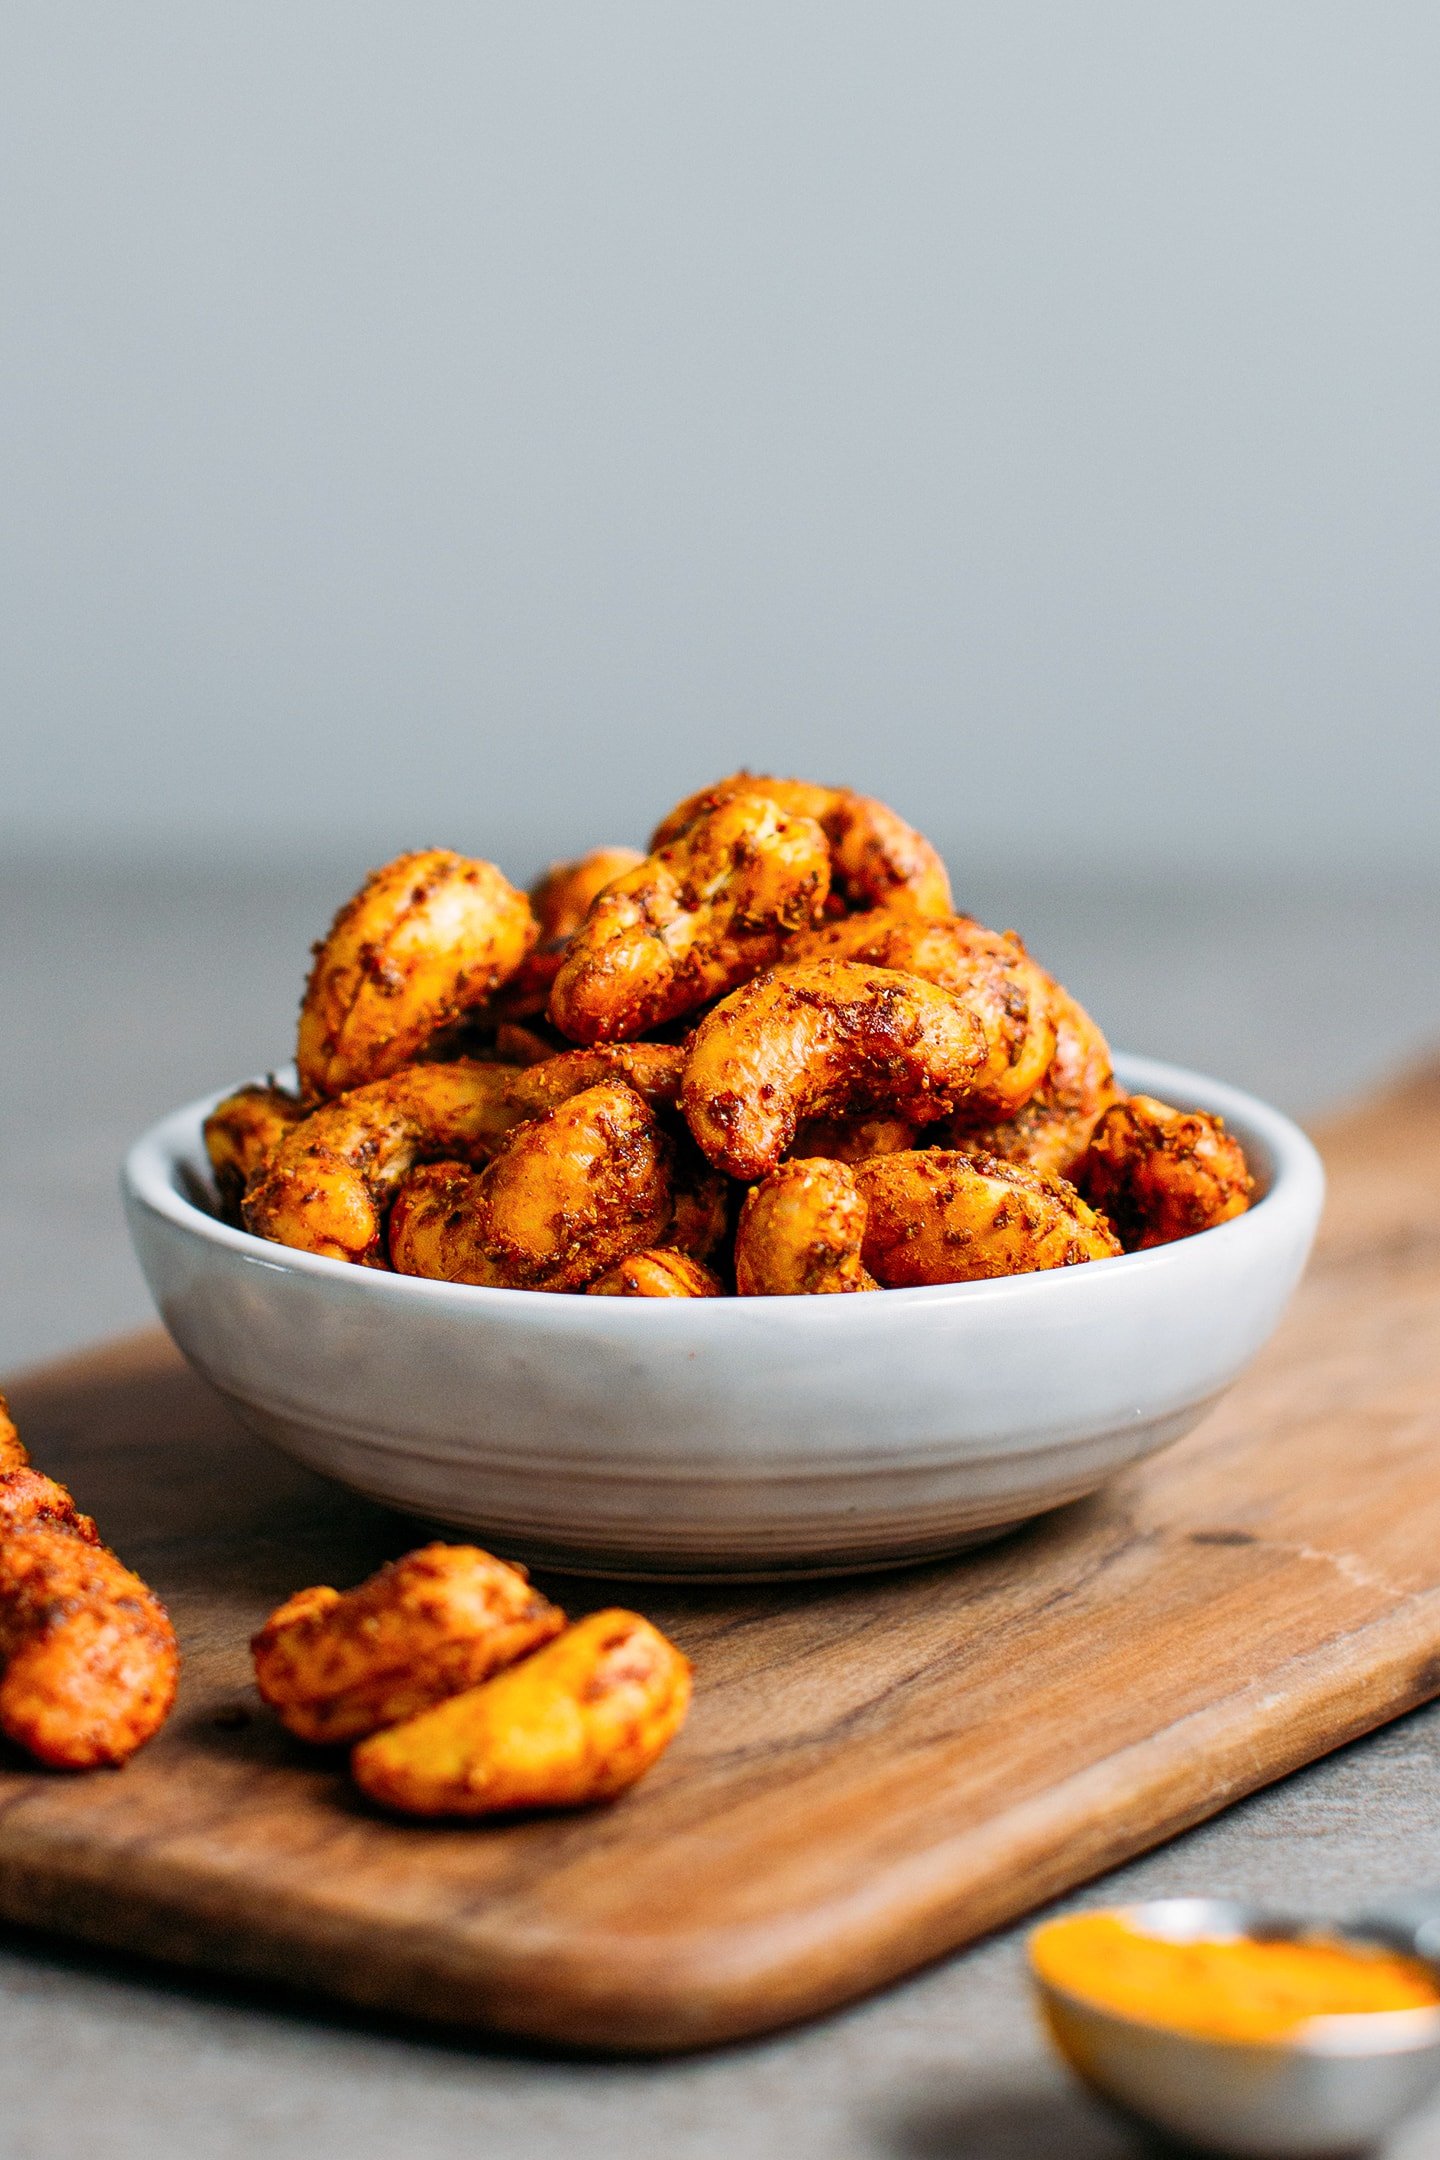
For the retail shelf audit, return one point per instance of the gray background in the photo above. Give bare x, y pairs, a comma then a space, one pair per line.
482, 423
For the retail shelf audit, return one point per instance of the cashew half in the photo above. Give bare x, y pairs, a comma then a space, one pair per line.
335, 1667
425, 937
577, 1722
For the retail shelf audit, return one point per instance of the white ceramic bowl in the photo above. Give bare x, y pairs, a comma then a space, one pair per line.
747, 1437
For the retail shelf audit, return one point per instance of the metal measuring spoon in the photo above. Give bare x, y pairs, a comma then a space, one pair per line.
1336, 2088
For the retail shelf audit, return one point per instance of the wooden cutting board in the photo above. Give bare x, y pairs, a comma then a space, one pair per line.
874, 1771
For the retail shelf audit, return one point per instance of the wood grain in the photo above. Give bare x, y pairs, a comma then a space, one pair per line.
874, 1771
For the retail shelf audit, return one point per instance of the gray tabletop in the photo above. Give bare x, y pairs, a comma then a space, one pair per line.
125, 992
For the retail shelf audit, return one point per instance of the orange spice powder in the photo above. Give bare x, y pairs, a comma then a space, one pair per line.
1224, 1990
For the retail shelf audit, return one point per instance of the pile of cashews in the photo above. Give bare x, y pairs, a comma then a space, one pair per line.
768, 1058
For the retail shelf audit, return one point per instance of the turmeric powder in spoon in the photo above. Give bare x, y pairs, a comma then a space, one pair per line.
1235, 1988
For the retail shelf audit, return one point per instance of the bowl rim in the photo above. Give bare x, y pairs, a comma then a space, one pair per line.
1289, 1160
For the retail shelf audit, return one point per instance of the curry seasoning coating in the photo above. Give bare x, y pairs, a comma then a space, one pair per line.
560, 901
425, 937
1052, 1132
875, 857
1161, 1174
937, 1216
660, 1271
821, 1039
652, 1069
88, 1658
801, 1233
578, 1722
567, 1196
326, 1187
28, 1500
242, 1133
335, 1667
1009, 993
698, 916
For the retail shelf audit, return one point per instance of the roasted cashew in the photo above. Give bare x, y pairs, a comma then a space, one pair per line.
874, 855
577, 1722
28, 1499
560, 901
424, 938
801, 1233
428, 1626
326, 1187
1161, 1174
1011, 996
658, 1272
937, 1216
812, 1041
653, 1070
243, 1132
88, 1660
1052, 1132
697, 917
567, 1196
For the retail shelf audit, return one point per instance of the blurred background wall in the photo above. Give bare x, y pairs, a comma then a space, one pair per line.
482, 423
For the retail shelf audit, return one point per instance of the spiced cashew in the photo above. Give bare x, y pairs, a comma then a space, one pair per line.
801, 1232
424, 938
335, 1667
243, 1132
1161, 1174
653, 1070
820, 1039
1052, 1132
560, 901
1009, 993
567, 1196
936, 1216
577, 1722
88, 1660
658, 1272
875, 856
697, 917
326, 1187
28, 1499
